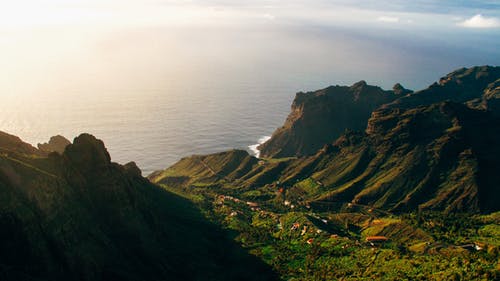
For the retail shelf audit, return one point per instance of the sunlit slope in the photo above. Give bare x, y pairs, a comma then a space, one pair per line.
435, 155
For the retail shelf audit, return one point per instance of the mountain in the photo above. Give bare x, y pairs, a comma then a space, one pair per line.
413, 154
322, 116
79, 216
462, 85
438, 157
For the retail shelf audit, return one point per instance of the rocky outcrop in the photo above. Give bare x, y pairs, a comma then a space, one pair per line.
56, 144
399, 90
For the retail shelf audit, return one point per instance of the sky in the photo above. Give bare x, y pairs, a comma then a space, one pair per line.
427, 13
66, 45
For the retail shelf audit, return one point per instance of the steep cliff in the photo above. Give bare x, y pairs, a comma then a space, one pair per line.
320, 117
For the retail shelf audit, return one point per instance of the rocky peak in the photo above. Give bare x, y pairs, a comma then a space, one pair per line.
359, 85
399, 90
56, 144
87, 153
461, 86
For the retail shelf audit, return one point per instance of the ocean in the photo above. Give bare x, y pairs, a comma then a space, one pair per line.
154, 129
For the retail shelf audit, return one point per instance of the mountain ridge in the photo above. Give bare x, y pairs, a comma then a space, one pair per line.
431, 156
310, 125
322, 116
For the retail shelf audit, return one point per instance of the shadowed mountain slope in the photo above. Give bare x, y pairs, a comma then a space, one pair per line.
78, 216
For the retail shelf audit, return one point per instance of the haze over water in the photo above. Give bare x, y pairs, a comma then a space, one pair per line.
160, 80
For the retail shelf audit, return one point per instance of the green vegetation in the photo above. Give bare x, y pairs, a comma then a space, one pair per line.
401, 201
302, 244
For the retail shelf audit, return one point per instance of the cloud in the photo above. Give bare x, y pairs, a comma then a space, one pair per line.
478, 21
388, 19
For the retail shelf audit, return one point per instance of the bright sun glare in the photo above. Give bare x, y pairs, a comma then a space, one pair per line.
32, 13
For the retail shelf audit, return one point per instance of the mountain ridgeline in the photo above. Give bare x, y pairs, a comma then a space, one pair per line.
322, 116
72, 214
399, 151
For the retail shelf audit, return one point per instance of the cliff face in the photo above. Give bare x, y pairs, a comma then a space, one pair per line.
318, 118
78, 216
322, 116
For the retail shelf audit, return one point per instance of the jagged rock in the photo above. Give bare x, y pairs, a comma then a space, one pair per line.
88, 154
399, 90
56, 144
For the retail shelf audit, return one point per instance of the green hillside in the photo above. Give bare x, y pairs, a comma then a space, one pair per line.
411, 197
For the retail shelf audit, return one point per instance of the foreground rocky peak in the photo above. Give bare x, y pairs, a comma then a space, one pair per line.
88, 153
79, 216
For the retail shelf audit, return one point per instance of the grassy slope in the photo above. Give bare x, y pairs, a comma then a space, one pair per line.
421, 246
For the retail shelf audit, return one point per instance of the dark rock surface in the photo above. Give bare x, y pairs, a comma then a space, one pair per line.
79, 216
56, 144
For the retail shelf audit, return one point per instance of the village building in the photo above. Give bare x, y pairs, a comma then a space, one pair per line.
376, 240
